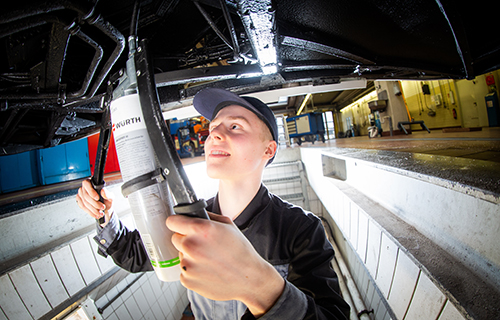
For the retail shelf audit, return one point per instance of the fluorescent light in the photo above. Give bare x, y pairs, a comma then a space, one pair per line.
370, 96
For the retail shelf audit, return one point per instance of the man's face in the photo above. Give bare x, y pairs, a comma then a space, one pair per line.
238, 144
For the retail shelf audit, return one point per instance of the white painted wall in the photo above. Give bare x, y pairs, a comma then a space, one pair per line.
406, 288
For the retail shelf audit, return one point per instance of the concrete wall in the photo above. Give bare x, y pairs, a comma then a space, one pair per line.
436, 108
63, 276
418, 277
396, 110
146, 298
466, 97
33, 290
450, 103
358, 114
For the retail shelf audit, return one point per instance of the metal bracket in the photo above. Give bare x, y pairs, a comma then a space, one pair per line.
159, 133
144, 180
102, 147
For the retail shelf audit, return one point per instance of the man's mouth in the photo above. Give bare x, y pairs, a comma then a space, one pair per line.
219, 153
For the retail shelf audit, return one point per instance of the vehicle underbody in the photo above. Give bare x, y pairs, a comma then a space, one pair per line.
58, 57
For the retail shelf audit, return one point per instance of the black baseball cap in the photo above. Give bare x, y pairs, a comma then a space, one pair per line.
208, 102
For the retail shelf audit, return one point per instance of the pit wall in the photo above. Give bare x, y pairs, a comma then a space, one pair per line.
73, 273
50, 263
399, 272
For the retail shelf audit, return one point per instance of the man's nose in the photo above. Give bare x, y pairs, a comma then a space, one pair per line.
217, 133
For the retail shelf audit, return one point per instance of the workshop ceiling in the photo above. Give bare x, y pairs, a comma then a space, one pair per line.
56, 57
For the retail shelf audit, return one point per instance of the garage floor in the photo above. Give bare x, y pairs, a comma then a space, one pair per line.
481, 145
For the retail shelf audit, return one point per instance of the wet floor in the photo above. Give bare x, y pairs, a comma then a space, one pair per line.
480, 145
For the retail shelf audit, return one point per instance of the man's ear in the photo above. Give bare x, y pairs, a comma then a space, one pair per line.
271, 148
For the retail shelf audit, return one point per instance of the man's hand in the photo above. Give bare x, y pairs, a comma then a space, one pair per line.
220, 263
88, 200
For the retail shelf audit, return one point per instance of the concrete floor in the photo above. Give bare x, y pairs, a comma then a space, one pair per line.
482, 144
466, 159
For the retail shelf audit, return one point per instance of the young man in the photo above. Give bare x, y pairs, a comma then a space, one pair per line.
258, 256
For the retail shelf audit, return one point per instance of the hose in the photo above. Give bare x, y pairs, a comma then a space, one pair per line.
350, 292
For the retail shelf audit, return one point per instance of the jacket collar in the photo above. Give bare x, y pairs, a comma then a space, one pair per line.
257, 205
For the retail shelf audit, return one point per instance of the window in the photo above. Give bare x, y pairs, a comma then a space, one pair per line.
329, 125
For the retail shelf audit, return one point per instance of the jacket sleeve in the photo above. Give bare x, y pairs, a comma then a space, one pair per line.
312, 289
311, 272
123, 245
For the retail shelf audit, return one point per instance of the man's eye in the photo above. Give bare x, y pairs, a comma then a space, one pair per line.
235, 126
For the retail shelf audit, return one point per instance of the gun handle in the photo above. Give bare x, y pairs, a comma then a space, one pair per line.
196, 209
98, 189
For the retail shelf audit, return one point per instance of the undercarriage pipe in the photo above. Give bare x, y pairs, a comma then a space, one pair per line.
36, 16
212, 24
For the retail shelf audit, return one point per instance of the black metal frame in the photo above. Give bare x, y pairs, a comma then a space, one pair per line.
308, 49
159, 133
